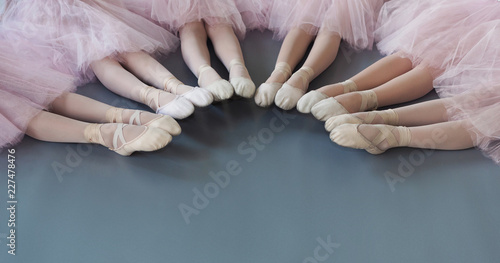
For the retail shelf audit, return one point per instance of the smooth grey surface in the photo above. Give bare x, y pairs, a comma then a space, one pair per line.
297, 191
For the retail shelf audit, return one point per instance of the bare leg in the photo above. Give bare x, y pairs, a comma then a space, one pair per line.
197, 57
228, 49
120, 81
322, 55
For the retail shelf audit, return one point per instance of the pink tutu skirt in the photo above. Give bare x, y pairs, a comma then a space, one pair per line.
27, 86
479, 107
354, 21
86, 30
255, 13
431, 34
307, 15
173, 14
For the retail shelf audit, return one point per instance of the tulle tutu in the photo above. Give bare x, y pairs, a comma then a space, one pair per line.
173, 14
354, 21
304, 14
479, 107
85, 31
431, 34
255, 13
475, 59
27, 86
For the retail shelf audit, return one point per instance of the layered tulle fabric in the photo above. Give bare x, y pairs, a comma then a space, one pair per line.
473, 83
354, 21
307, 15
479, 108
86, 30
27, 86
173, 14
255, 13
431, 35
475, 59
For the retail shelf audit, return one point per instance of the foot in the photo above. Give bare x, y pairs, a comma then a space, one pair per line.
307, 101
288, 96
344, 104
198, 97
209, 79
266, 93
162, 102
138, 117
375, 139
240, 79
389, 117
125, 139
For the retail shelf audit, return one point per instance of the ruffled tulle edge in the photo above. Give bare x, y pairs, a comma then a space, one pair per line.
461, 108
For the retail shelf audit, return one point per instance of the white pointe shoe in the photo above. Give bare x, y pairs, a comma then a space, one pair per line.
389, 117
179, 108
220, 89
197, 96
266, 93
164, 122
288, 96
307, 101
330, 107
311, 98
151, 139
348, 135
243, 87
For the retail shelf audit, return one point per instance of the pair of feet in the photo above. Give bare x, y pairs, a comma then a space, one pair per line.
176, 100
239, 81
283, 88
128, 131
374, 131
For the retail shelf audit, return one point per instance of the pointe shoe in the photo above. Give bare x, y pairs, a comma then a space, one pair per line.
288, 96
266, 92
243, 87
179, 108
164, 122
330, 107
389, 117
151, 139
348, 135
311, 98
197, 96
220, 89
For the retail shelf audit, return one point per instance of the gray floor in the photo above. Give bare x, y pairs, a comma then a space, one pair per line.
285, 193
